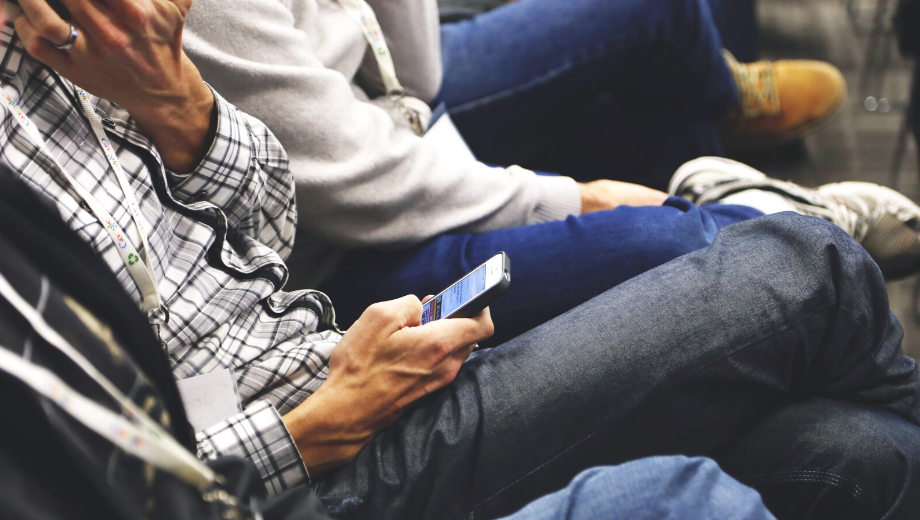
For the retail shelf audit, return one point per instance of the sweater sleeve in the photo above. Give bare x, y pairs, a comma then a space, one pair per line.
361, 180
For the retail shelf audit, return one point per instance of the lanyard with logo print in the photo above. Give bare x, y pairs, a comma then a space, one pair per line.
133, 431
363, 15
138, 263
148, 442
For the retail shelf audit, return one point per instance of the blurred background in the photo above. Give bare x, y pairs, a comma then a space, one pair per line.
867, 141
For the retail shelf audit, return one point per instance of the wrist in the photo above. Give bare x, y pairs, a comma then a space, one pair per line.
327, 433
588, 199
181, 120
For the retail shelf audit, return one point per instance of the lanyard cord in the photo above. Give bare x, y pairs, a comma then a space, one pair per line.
136, 433
139, 266
161, 451
363, 15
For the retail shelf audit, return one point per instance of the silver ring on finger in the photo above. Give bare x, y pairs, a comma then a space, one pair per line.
66, 46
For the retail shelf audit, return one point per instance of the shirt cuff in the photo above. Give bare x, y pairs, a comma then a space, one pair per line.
561, 198
225, 175
259, 435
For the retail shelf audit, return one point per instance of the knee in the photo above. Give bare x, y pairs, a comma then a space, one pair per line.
652, 487
807, 240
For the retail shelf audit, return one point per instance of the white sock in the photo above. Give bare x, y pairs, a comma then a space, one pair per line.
766, 201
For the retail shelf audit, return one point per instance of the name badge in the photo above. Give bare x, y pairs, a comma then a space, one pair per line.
210, 398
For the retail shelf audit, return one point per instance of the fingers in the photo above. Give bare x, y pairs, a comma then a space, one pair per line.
129, 13
445, 338
446, 371
97, 21
45, 22
392, 315
39, 47
426, 298
457, 333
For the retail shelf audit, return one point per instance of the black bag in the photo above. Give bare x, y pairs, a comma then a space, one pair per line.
51, 465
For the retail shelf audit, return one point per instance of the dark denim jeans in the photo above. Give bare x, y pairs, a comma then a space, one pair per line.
772, 351
626, 90
554, 266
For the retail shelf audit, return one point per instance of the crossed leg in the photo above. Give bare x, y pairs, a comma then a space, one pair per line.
684, 359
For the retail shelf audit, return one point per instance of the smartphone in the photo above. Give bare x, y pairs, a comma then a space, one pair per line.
472, 293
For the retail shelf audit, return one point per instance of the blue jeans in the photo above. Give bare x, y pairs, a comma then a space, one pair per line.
627, 90
554, 266
677, 488
772, 351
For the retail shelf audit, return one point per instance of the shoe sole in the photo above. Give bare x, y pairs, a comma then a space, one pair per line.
719, 164
759, 143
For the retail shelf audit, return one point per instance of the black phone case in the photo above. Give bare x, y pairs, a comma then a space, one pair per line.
476, 305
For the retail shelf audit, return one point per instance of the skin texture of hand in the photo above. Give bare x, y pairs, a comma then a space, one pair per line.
130, 52
604, 194
384, 363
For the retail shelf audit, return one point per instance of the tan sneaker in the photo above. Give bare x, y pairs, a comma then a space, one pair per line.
782, 100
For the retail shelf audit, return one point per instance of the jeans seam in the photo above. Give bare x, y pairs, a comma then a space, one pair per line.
822, 477
672, 384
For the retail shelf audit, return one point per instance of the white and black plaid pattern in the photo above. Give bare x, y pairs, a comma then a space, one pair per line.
218, 237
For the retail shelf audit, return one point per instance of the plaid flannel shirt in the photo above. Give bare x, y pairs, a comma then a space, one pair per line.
217, 241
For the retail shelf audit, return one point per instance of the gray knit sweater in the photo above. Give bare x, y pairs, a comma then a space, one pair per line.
363, 179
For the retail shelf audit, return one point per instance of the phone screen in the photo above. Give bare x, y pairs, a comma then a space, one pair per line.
444, 304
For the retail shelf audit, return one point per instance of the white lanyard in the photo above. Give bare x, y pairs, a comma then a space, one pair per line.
137, 433
158, 449
140, 266
363, 15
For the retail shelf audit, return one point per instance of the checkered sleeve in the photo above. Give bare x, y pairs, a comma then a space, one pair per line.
259, 435
246, 174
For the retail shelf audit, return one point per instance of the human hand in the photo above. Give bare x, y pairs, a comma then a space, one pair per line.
385, 362
129, 52
604, 194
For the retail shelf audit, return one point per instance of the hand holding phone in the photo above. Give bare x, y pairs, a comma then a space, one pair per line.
472, 293
383, 364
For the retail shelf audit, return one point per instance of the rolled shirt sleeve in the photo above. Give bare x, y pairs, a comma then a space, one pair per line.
246, 175
259, 435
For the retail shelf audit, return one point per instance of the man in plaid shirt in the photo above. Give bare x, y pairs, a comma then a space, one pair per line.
222, 218
713, 354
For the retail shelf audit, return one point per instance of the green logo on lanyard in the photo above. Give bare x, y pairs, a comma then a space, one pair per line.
133, 259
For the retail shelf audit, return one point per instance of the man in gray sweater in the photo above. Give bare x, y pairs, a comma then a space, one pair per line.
385, 212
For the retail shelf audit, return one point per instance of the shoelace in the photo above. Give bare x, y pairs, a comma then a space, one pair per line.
853, 220
852, 214
757, 91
